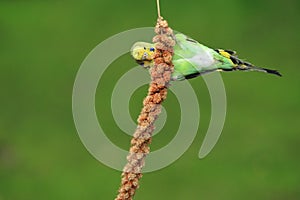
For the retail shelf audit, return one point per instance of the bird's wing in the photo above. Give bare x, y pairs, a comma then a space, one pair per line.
192, 58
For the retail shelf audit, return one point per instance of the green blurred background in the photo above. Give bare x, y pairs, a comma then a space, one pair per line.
43, 43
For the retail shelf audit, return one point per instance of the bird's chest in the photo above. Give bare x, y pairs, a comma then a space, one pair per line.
202, 59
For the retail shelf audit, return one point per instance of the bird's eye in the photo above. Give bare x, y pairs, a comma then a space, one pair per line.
151, 49
144, 48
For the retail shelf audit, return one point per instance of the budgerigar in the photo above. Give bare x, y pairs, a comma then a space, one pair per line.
192, 59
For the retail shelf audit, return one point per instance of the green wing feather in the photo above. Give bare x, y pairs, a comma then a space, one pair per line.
193, 59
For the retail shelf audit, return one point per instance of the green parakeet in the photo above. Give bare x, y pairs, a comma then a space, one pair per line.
192, 59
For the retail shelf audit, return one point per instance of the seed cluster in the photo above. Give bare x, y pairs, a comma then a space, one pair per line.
157, 93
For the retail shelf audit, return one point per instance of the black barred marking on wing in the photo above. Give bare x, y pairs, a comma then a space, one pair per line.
196, 74
217, 50
231, 52
191, 40
228, 70
236, 61
192, 75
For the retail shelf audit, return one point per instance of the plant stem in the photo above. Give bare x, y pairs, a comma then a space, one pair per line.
158, 8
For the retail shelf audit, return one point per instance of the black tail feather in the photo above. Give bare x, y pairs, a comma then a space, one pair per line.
242, 65
271, 71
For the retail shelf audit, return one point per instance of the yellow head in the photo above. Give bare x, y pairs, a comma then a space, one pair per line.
142, 51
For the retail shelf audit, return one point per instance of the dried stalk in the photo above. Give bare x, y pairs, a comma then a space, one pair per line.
157, 93
158, 8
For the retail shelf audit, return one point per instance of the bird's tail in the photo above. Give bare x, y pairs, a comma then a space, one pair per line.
242, 65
